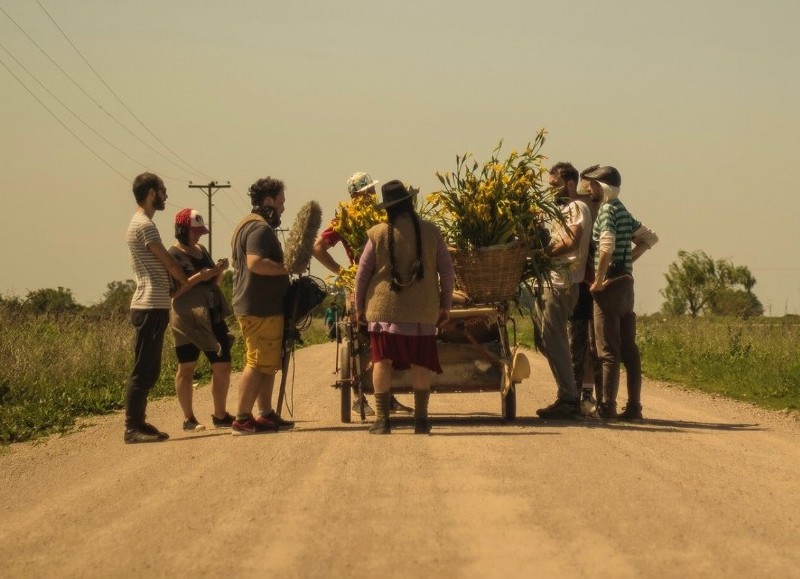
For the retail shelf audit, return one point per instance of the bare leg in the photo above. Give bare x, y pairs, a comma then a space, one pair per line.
220, 383
183, 387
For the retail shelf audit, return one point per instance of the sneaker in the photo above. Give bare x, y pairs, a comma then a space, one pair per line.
396, 407
150, 429
368, 411
225, 422
192, 425
275, 420
560, 410
250, 426
588, 402
631, 412
136, 436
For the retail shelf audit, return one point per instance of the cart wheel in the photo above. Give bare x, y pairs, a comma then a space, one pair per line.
344, 380
509, 404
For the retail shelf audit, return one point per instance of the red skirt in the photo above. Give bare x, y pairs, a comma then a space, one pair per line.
405, 350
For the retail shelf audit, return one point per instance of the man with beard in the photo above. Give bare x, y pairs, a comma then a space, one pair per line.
555, 304
152, 267
620, 240
260, 283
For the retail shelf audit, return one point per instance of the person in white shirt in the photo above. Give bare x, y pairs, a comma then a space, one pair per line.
555, 303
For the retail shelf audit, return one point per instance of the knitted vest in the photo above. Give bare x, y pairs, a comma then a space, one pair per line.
417, 302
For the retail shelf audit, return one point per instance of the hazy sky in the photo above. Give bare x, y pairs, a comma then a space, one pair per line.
695, 102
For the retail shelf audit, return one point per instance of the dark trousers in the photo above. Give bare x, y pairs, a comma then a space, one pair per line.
581, 340
615, 328
150, 326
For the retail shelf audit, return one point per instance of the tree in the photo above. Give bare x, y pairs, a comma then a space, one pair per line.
117, 299
696, 284
737, 303
51, 301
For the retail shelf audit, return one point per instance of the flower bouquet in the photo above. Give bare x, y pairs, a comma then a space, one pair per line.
352, 220
493, 216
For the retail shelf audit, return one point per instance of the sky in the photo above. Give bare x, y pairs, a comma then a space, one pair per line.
695, 103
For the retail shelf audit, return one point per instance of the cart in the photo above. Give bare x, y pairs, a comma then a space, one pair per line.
476, 351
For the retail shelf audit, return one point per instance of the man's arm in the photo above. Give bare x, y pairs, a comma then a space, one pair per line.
158, 249
321, 252
265, 266
643, 239
564, 246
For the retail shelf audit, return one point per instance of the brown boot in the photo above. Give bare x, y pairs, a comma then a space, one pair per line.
421, 424
383, 403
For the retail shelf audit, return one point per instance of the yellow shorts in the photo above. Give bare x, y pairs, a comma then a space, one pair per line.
262, 339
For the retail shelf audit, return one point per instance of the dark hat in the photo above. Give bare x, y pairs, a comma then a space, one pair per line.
393, 192
607, 175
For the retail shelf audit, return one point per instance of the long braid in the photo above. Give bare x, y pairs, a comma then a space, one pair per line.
395, 284
420, 269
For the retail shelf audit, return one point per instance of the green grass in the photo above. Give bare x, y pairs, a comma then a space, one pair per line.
59, 368
755, 360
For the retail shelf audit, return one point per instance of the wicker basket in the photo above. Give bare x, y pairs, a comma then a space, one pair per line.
489, 274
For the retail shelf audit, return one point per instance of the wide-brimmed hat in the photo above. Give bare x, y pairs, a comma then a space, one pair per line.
393, 192
360, 182
607, 175
191, 219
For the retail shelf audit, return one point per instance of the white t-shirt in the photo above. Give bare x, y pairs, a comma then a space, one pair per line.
571, 266
152, 278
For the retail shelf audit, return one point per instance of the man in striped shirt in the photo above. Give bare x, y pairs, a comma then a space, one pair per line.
620, 240
152, 267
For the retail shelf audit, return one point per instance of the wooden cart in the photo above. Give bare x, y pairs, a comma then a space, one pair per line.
477, 351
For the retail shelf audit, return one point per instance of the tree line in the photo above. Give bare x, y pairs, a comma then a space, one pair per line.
697, 285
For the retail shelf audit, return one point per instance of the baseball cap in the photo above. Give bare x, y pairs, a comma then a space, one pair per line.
191, 218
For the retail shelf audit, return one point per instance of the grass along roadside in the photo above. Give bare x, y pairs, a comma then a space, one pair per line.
60, 368
756, 361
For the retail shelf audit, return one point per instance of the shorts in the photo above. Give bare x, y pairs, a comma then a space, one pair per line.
405, 350
191, 353
263, 339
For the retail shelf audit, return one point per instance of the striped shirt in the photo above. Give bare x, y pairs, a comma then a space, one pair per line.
152, 278
617, 220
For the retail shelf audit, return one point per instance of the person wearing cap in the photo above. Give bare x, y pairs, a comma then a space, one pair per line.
152, 268
197, 320
260, 284
404, 290
360, 186
620, 240
585, 364
569, 248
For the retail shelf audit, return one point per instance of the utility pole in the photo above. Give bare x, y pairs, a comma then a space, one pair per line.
209, 189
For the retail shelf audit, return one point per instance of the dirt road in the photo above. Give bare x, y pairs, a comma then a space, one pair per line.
704, 488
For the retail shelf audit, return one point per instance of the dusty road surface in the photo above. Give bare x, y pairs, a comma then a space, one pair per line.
702, 488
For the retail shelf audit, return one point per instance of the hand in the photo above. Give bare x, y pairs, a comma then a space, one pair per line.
223, 264
444, 315
598, 286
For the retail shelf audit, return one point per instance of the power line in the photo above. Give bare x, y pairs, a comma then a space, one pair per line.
71, 132
75, 115
116, 96
90, 97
